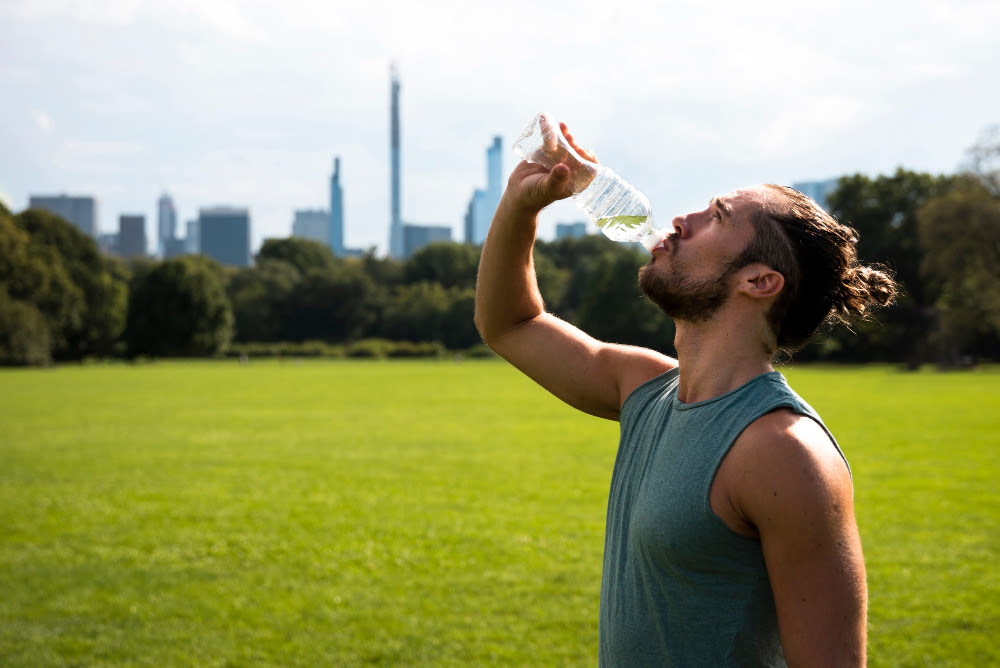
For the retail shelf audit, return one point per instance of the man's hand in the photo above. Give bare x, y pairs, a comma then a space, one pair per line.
533, 186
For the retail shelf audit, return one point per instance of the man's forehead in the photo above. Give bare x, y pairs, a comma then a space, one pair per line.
737, 204
748, 195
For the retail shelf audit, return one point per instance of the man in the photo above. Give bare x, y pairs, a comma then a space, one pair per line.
731, 537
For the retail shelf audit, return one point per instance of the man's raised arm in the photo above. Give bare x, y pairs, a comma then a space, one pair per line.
588, 374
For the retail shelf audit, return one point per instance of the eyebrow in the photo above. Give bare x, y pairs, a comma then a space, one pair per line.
722, 206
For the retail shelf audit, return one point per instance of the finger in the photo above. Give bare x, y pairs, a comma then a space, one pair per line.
583, 153
555, 182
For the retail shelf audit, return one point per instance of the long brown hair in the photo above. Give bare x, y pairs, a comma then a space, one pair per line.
817, 257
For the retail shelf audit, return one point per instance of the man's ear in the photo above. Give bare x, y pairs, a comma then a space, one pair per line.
760, 281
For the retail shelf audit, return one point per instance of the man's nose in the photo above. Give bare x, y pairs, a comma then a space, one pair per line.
681, 228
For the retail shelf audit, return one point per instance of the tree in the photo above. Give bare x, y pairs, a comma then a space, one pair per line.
418, 312
25, 338
450, 264
386, 271
614, 308
35, 275
178, 309
459, 321
884, 212
960, 234
261, 299
340, 303
303, 254
104, 291
564, 268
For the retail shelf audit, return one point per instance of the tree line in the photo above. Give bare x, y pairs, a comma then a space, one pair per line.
61, 300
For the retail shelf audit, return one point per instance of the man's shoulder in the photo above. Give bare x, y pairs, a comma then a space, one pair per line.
638, 366
784, 448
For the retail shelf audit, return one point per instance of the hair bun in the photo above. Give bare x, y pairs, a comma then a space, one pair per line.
863, 288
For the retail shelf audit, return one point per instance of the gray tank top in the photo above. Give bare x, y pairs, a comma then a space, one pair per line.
679, 588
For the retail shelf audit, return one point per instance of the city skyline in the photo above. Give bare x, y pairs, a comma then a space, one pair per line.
246, 103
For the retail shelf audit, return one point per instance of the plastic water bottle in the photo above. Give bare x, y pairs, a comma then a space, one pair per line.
619, 209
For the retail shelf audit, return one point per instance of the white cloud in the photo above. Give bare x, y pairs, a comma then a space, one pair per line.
42, 120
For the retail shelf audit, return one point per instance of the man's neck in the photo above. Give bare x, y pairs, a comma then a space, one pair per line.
717, 356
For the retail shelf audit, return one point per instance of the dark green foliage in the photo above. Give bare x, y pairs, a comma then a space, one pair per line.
260, 296
884, 212
373, 348
614, 308
339, 303
54, 270
593, 282
35, 274
385, 271
179, 309
450, 264
564, 269
418, 312
104, 295
303, 254
25, 338
460, 330
960, 234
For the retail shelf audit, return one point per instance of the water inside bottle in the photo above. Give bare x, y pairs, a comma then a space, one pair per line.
622, 222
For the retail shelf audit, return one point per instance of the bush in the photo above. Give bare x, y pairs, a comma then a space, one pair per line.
409, 349
179, 309
24, 333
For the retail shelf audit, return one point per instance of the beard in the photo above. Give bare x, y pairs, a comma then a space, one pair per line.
681, 297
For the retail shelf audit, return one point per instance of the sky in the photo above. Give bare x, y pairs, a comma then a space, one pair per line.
246, 103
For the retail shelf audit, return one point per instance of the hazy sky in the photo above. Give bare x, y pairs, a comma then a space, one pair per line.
246, 103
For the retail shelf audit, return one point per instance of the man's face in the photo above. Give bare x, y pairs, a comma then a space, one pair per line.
689, 275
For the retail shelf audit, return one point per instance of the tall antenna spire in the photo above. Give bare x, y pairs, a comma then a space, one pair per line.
395, 221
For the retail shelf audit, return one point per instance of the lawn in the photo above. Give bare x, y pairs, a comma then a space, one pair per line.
429, 513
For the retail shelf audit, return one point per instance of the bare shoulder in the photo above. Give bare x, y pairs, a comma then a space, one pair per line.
785, 442
787, 460
636, 366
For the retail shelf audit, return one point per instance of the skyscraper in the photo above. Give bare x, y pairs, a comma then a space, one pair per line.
819, 191
312, 224
416, 237
494, 167
336, 222
484, 203
571, 230
131, 235
395, 221
192, 242
80, 211
166, 228
225, 235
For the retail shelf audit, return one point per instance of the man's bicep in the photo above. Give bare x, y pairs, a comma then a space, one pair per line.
804, 512
588, 374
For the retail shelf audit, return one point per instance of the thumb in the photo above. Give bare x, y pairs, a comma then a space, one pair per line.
556, 181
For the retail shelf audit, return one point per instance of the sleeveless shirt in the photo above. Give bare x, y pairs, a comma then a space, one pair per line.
679, 587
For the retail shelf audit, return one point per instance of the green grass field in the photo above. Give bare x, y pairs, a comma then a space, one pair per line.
434, 513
